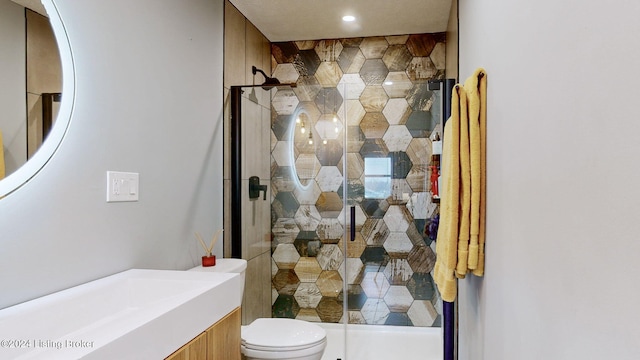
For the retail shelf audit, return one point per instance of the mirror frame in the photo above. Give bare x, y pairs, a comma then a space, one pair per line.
29, 169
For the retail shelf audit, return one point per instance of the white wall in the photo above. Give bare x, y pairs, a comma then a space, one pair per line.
563, 202
13, 106
149, 100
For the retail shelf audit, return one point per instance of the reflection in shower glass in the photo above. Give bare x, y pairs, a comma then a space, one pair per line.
376, 163
377, 178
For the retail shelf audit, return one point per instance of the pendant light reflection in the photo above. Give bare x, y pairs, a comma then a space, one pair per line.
301, 147
300, 120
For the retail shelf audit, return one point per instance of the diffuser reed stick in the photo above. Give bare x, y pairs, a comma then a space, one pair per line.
215, 239
209, 249
206, 250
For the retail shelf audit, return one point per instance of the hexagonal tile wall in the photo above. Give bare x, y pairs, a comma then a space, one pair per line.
307, 217
376, 89
374, 125
396, 111
373, 72
375, 311
285, 102
351, 86
309, 194
397, 57
328, 50
284, 231
398, 271
307, 243
397, 138
373, 99
286, 73
330, 283
308, 270
374, 47
398, 299
397, 84
308, 295
329, 178
306, 62
330, 230
286, 256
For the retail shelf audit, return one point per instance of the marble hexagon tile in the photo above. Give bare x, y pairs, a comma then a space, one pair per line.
397, 138
422, 313
397, 218
398, 299
375, 311
398, 271
285, 102
308, 295
329, 178
375, 285
398, 244
330, 257
286, 256
307, 217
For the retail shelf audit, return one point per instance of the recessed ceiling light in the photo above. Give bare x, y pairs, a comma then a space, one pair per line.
348, 18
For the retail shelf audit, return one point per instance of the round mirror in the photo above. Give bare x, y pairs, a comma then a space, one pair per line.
32, 132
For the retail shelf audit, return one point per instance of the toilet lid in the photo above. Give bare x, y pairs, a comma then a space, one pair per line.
281, 333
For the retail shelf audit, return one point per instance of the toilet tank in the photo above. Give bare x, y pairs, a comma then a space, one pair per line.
228, 265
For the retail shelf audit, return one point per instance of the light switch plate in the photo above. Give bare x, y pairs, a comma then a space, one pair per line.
122, 186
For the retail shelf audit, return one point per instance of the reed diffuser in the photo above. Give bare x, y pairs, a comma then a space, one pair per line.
209, 259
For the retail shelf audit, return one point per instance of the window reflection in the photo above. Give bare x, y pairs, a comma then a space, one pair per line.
377, 178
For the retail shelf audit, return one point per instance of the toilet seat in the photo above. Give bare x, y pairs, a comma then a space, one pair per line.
278, 338
282, 348
314, 352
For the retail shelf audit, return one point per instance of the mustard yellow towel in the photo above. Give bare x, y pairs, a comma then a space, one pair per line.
465, 188
461, 234
473, 104
482, 92
1, 157
447, 240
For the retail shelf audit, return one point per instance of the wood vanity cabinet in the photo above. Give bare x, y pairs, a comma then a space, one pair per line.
219, 342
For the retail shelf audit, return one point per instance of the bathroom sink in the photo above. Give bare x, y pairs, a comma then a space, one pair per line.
135, 314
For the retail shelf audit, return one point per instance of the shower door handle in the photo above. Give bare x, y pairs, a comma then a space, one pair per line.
353, 223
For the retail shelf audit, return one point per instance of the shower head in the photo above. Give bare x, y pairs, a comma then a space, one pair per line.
267, 80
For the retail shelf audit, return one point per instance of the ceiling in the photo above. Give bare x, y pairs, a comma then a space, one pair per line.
35, 5
289, 20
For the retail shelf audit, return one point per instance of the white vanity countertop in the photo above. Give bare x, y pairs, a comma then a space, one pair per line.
135, 314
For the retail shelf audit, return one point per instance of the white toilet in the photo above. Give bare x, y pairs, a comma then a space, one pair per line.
274, 338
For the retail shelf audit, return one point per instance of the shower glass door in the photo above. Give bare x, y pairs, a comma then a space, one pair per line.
389, 252
352, 201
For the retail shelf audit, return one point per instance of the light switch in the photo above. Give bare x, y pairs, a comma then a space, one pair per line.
122, 186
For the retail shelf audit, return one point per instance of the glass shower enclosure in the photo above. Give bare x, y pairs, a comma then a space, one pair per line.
331, 202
